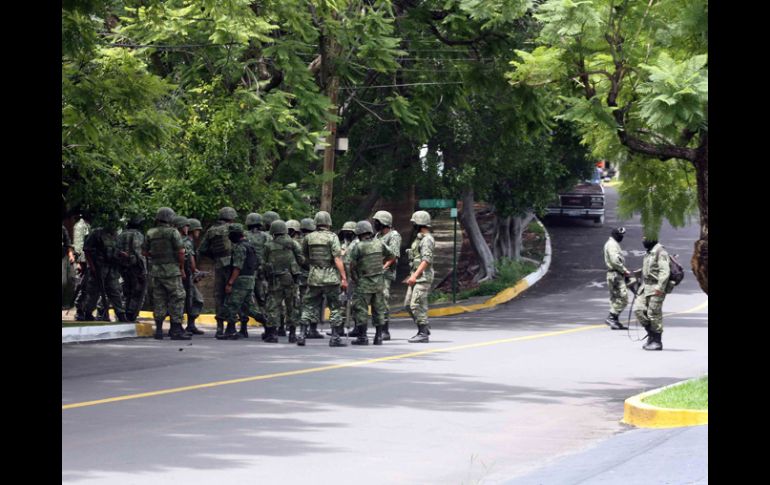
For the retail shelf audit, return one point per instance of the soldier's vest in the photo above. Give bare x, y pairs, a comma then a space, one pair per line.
159, 239
281, 256
251, 262
126, 244
370, 263
258, 239
105, 251
219, 244
319, 251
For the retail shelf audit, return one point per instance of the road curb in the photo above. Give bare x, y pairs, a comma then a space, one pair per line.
504, 296
642, 415
99, 332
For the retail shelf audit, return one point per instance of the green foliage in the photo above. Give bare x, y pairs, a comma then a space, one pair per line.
692, 394
657, 190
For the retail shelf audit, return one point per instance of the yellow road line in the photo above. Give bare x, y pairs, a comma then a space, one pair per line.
341, 366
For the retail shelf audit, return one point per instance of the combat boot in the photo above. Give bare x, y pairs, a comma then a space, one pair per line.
613, 322
281, 332
379, 335
301, 336
356, 332
292, 334
244, 332
385, 332
422, 335
314, 333
130, 316
158, 330
361, 338
336, 339
191, 328
271, 336
177, 332
654, 341
103, 316
80, 316
220, 329
122, 317
89, 317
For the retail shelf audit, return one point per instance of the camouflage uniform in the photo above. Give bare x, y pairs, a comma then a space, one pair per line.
648, 307
193, 302
321, 248
79, 235
283, 257
217, 246
393, 241
366, 260
616, 270
162, 244
66, 269
241, 299
133, 270
416, 301
258, 239
100, 248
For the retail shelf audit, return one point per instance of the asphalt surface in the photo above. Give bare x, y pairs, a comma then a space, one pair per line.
496, 396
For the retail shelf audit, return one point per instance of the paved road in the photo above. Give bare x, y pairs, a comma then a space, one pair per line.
496, 395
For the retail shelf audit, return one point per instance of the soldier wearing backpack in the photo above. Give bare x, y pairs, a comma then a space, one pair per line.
217, 246
656, 273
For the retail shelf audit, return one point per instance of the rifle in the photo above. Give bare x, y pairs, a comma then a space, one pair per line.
199, 275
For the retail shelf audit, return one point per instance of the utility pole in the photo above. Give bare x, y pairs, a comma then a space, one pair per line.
331, 82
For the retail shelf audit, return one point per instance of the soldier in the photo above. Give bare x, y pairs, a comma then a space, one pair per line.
239, 287
348, 239
80, 232
258, 238
67, 261
649, 305
217, 246
283, 257
100, 248
383, 222
421, 276
164, 248
267, 219
193, 301
195, 231
616, 277
306, 226
367, 270
133, 267
326, 276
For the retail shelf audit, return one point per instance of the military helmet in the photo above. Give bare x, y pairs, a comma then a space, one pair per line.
227, 214
194, 224
235, 227
180, 221
253, 219
322, 218
293, 224
349, 226
278, 227
363, 227
618, 231
165, 214
268, 218
421, 218
136, 221
307, 224
385, 218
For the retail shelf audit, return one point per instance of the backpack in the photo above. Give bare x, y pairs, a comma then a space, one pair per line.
677, 273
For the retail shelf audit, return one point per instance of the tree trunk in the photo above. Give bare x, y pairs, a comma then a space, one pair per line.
487, 269
700, 257
517, 230
502, 237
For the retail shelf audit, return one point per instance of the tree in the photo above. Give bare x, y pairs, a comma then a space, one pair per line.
634, 77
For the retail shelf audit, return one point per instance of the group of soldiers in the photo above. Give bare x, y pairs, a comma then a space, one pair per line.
281, 273
650, 284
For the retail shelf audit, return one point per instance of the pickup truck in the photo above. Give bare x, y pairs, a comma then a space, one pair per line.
584, 201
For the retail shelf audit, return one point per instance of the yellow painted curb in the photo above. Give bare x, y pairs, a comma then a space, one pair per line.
642, 415
145, 330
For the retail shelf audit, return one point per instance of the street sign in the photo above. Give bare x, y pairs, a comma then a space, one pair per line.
453, 213
437, 203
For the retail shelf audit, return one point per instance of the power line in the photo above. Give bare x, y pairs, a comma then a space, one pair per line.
398, 85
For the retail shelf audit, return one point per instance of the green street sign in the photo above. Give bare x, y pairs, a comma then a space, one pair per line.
437, 203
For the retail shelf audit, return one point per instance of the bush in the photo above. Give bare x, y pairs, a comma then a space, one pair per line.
509, 272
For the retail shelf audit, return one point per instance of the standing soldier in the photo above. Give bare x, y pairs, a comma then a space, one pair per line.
101, 252
419, 281
649, 305
348, 239
616, 277
67, 261
239, 285
133, 267
257, 238
195, 231
165, 250
217, 246
283, 257
267, 220
193, 302
327, 274
367, 260
383, 222
79, 234
306, 226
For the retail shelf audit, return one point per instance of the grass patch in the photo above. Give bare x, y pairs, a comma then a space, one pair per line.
536, 228
509, 273
693, 394
89, 324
